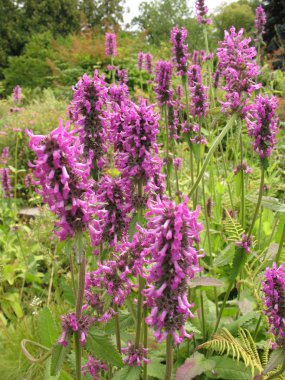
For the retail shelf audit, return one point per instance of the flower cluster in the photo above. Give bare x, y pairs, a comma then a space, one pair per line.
262, 124
145, 60
273, 288
94, 368
259, 23
180, 49
140, 60
17, 94
112, 210
162, 80
135, 356
202, 12
242, 167
88, 112
4, 158
174, 230
123, 76
199, 98
110, 44
140, 127
70, 324
6, 182
245, 243
64, 182
200, 56
239, 69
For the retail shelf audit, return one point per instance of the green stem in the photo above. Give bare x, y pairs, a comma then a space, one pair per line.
145, 309
223, 305
280, 245
242, 204
169, 357
211, 152
78, 307
257, 327
258, 201
139, 312
117, 325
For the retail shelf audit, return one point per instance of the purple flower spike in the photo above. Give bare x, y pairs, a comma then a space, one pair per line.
135, 356
4, 158
180, 49
148, 63
273, 288
64, 181
262, 124
112, 210
173, 230
88, 112
123, 76
163, 76
140, 61
245, 243
110, 44
6, 182
69, 325
17, 94
202, 12
199, 98
239, 69
94, 368
260, 22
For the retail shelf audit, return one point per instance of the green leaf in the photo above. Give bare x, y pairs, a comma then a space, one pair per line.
225, 257
47, 328
268, 202
205, 281
229, 369
155, 368
128, 373
276, 358
194, 366
239, 260
58, 356
100, 345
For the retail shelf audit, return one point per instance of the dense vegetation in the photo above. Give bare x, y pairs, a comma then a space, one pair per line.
142, 196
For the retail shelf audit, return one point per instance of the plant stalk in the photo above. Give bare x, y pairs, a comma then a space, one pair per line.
258, 201
282, 239
169, 358
117, 325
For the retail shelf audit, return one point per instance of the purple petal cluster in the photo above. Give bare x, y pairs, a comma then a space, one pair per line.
180, 53
259, 22
70, 325
273, 288
245, 243
6, 182
94, 368
202, 12
148, 63
242, 167
238, 68
63, 179
140, 127
110, 44
173, 230
162, 81
4, 158
123, 76
199, 98
112, 211
140, 60
135, 356
89, 114
262, 124
17, 94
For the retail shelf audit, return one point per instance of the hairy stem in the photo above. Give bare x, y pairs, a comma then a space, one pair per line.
258, 202
117, 325
169, 358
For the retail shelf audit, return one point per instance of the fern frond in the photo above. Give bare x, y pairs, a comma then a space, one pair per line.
242, 349
233, 229
265, 356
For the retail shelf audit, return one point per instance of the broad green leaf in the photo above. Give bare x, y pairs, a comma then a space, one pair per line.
100, 345
205, 281
128, 373
276, 358
225, 256
47, 328
268, 202
155, 368
58, 356
239, 261
228, 369
194, 366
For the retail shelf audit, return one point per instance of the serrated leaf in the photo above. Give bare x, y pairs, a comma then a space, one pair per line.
194, 366
47, 328
128, 373
276, 358
126, 321
100, 345
58, 356
156, 369
239, 261
225, 257
205, 281
229, 369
